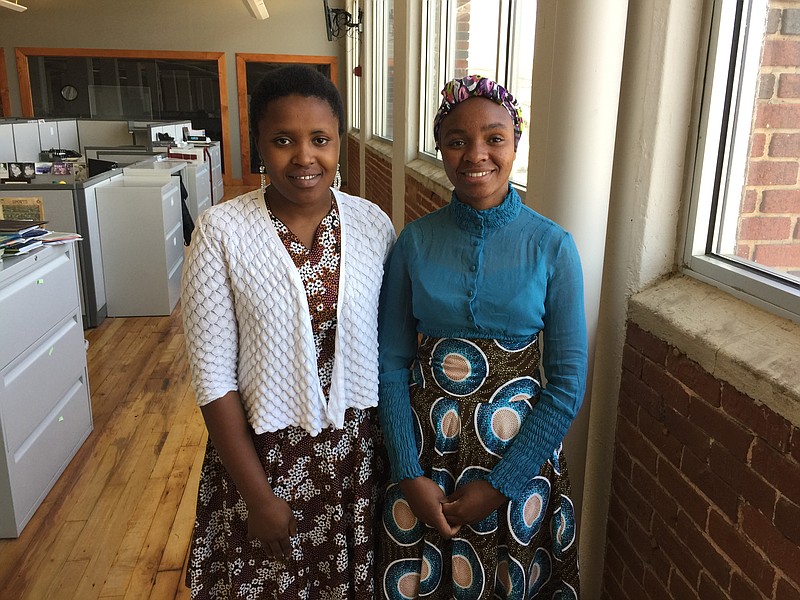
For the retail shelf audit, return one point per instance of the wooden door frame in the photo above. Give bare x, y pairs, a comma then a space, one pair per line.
26, 96
5, 96
241, 89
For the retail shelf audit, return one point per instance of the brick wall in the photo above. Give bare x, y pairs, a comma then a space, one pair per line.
705, 499
378, 180
353, 175
420, 200
769, 225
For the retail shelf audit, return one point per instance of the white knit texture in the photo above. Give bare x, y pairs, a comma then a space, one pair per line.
246, 318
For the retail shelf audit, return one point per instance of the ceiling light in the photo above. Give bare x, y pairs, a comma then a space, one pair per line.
13, 5
257, 7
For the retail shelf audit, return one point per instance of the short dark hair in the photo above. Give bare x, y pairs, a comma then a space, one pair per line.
289, 80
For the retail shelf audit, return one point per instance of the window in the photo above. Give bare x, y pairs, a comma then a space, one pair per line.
354, 62
493, 38
744, 230
383, 65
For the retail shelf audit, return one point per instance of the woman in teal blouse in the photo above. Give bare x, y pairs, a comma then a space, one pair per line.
480, 501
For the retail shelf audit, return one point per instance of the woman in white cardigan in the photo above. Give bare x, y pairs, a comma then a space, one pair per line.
280, 299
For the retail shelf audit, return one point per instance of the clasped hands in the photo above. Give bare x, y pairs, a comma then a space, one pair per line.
447, 514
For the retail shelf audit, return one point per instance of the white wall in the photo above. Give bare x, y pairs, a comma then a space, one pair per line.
293, 27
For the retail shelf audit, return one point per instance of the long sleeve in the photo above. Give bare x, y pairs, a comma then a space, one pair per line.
564, 360
209, 320
397, 342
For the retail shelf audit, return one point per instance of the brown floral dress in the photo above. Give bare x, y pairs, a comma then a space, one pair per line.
329, 480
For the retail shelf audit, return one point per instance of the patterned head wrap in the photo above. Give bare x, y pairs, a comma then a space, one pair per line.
458, 90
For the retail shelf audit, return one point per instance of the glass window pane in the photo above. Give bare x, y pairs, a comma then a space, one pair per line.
759, 220
519, 79
433, 57
475, 41
384, 67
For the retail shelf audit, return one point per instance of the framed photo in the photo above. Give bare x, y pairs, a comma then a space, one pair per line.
61, 169
20, 171
18, 209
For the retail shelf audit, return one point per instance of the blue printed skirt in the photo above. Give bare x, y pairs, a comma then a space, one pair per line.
469, 398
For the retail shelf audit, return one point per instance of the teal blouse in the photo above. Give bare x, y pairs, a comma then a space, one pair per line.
505, 273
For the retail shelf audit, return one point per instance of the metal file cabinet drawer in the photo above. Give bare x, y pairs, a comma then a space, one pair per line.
37, 302
34, 382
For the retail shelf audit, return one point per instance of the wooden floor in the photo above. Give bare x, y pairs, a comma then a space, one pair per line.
117, 523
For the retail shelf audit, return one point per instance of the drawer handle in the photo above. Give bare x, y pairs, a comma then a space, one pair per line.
39, 281
50, 352
172, 201
61, 418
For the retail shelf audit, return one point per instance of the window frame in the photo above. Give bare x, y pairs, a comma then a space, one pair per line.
731, 35
505, 64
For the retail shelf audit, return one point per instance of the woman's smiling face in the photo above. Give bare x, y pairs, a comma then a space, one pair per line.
476, 140
298, 141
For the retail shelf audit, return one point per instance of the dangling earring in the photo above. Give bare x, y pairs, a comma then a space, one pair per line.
337, 179
263, 170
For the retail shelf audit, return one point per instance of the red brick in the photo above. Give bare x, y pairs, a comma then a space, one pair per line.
669, 388
613, 562
622, 461
785, 145
676, 550
786, 591
779, 550
708, 590
632, 360
749, 202
639, 449
679, 588
757, 417
794, 444
640, 393
757, 144
655, 495
779, 470
772, 172
740, 476
709, 556
657, 434
722, 495
743, 251
632, 587
720, 427
612, 589
777, 255
787, 520
777, 116
781, 53
780, 201
742, 552
655, 587
637, 507
641, 540
646, 343
690, 499
742, 589
619, 539
694, 377
627, 407
685, 431
765, 228
789, 85
654, 376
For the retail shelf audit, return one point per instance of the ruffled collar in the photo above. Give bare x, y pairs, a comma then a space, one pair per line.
477, 221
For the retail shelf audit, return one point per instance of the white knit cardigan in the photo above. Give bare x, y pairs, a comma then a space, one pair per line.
247, 323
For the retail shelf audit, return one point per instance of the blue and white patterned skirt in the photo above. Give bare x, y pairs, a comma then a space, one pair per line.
469, 398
